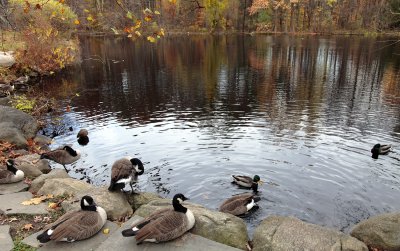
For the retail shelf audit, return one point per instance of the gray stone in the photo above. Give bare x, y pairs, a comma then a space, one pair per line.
280, 233
32, 165
42, 140
6, 101
138, 200
217, 226
6, 243
186, 242
381, 231
53, 174
64, 186
88, 244
11, 204
115, 204
16, 126
13, 187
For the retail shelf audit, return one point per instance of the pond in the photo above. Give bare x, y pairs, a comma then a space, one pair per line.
303, 112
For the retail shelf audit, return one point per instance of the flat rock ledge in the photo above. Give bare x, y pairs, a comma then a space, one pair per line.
217, 226
11, 204
381, 231
16, 187
279, 233
6, 243
63, 186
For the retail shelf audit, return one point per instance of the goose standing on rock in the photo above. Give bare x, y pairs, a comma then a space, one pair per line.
76, 225
248, 182
63, 156
82, 136
380, 149
11, 174
125, 171
239, 204
163, 225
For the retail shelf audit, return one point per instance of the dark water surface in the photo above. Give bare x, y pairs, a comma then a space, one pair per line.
301, 112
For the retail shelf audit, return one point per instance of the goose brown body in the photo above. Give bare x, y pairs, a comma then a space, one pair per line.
75, 225
63, 156
163, 225
11, 174
238, 204
124, 171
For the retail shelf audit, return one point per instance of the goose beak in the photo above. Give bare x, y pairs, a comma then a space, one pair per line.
186, 198
260, 182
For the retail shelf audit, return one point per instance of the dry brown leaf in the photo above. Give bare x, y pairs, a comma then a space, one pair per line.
37, 218
37, 200
53, 205
13, 219
106, 231
28, 227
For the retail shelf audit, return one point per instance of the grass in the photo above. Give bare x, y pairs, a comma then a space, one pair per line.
11, 41
20, 246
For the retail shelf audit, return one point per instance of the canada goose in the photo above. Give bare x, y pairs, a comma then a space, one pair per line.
76, 225
163, 225
7, 88
64, 155
82, 136
239, 204
11, 174
246, 181
380, 149
125, 171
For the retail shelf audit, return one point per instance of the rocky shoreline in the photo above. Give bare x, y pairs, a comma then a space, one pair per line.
380, 232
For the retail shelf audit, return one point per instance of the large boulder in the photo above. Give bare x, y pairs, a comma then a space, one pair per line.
281, 233
140, 199
64, 186
53, 174
115, 203
217, 226
32, 165
16, 126
381, 231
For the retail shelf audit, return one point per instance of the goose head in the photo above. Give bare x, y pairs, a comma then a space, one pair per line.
11, 166
88, 204
136, 162
71, 151
177, 202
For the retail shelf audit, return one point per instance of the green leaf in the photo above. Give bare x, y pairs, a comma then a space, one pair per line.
129, 15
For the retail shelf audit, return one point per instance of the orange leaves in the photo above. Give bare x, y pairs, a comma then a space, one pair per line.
27, 227
77, 22
37, 200
61, 1
151, 39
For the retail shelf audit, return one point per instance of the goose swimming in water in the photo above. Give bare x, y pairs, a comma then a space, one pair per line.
63, 156
239, 204
11, 174
76, 225
125, 171
248, 182
379, 149
82, 136
163, 225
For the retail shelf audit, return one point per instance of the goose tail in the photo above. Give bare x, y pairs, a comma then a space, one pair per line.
44, 237
116, 186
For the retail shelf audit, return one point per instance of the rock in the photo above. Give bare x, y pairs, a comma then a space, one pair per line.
64, 186
381, 231
88, 244
138, 200
42, 140
115, 204
16, 126
32, 165
217, 226
53, 174
11, 204
6, 243
6, 101
187, 241
6, 59
288, 233
13, 188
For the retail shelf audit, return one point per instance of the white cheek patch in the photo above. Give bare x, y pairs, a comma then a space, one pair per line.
135, 229
49, 232
85, 202
180, 200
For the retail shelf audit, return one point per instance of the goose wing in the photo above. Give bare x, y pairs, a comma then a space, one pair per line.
169, 226
78, 225
5, 176
154, 216
121, 169
236, 205
385, 149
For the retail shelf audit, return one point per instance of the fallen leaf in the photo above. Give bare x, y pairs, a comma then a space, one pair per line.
13, 219
33, 201
106, 231
53, 205
77, 22
37, 218
28, 227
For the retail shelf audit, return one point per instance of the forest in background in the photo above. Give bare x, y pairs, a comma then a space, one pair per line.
296, 16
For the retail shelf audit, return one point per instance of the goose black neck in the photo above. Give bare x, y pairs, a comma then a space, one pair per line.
254, 186
11, 167
178, 206
88, 207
